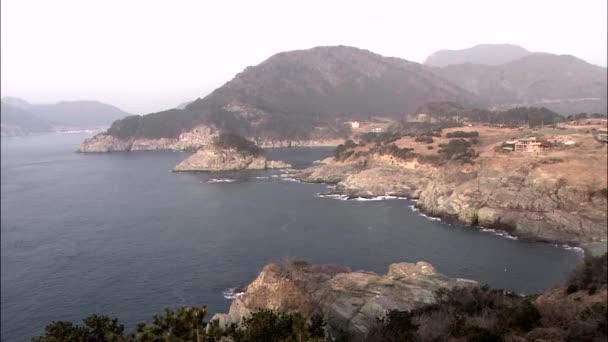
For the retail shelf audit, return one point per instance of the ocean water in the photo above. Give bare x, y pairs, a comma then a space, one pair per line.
121, 234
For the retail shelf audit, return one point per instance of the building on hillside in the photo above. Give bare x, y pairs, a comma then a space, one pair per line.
353, 124
529, 144
421, 117
602, 134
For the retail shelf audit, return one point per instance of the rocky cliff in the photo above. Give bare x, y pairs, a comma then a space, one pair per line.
522, 197
350, 301
211, 158
192, 140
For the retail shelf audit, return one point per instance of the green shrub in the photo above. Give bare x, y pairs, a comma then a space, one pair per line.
395, 326
590, 276
462, 134
126, 127
425, 139
239, 143
458, 149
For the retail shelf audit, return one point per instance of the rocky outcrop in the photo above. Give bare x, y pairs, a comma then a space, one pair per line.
189, 141
211, 158
522, 201
349, 300
104, 143
192, 140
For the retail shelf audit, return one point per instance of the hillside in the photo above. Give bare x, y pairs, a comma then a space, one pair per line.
304, 96
21, 117
472, 175
489, 54
291, 94
563, 83
17, 121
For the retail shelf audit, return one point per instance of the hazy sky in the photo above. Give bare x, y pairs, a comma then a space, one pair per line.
146, 56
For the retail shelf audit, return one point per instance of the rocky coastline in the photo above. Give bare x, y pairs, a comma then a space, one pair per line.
211, 158
350, 301
192, 140
522, 202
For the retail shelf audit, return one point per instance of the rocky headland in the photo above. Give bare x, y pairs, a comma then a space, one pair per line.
192, 140
350, 301
555, 196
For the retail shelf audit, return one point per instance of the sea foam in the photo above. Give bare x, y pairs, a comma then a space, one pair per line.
232, 293
220, 180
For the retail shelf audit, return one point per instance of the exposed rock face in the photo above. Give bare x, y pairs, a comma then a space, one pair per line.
192, 140
211, 158
349, 301
104, 143
189, 141
523, 202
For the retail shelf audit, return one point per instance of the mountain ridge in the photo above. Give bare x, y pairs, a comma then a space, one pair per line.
295, 95
486, 54
20, 117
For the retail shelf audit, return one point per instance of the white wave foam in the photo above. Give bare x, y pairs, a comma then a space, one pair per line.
90, 131
221, 180
570, 248
378, 198
288, 179
361, 199
496, 232
262, 177
231, 293
416, 210
430, 218
334, 196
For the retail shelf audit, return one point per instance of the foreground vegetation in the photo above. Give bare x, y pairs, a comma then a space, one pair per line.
576, 312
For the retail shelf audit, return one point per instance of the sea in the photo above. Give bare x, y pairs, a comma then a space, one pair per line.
121, 234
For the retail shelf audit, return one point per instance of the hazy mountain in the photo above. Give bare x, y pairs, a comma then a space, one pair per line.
81, 114
17, 121
21, 117
183, 105
292, 94
489, 54
300, 93
561, 83
16, 102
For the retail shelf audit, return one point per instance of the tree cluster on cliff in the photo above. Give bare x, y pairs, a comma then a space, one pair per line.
532, 116
237, 142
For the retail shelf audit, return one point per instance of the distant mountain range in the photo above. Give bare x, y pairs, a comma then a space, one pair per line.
19, 117
489, 54
298, 94
562, 83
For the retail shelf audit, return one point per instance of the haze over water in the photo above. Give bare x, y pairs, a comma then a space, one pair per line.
121, 234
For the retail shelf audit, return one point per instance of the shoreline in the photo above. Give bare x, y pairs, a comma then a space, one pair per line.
453, 220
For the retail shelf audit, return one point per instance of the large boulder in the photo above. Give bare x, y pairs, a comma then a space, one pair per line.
349, 301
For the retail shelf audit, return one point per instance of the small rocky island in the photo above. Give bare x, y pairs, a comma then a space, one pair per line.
229, 152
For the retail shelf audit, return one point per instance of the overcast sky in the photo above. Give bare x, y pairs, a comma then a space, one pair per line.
146, 56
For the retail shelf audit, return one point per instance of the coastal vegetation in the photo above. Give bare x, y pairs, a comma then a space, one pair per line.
575, 312
237, 142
